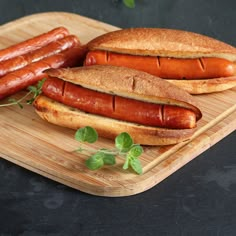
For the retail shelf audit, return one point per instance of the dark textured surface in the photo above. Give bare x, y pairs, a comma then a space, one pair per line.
199, 199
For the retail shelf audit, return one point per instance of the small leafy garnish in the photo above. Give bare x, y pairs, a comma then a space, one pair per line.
132, 159
86, 134
123, 142
99, 159
129, 3
124, 146
34, 91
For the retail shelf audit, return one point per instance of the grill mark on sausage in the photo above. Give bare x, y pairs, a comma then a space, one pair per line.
202, 64
162, 114
46, 62
107, 57
113, 103
63, 89
158, 62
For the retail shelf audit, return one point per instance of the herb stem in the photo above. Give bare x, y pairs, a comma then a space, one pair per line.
88, 151
35, 90
17, 101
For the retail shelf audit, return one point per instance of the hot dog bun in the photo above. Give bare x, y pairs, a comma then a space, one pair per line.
206, 85
122, 82
128, 83
65, 116
160, 42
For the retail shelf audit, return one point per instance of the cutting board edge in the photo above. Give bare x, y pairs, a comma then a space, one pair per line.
123, 189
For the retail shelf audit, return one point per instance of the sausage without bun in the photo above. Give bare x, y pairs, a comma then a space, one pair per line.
116, 99
34, 43
194, 62
36, 55
20, 79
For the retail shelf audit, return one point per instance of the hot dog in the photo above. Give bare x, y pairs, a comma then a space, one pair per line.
32, 44
36, 55
183, 58
116, 107
116, 99
32, 73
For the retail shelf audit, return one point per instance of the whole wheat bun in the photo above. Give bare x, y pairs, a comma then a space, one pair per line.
124, 82
162, 42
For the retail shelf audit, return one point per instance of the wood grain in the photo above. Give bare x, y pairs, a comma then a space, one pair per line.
46, 149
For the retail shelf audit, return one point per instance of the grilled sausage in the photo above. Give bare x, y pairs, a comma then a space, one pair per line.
165, 67
118, 107
36, 55
30, 74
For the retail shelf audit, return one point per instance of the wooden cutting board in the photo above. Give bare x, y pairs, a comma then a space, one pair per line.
46, 149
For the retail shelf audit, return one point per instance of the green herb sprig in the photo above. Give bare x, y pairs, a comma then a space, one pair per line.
124, 147
34, 91
129, 3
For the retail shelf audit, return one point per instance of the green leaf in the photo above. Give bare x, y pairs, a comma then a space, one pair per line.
136, 151
132, 159
129, 3
109, 159
36, 90
33, 89
86, 134
95, 161
123, 146
40, 83
123, 142
136, 165
20, 105
30, 101
99, 159
13, 101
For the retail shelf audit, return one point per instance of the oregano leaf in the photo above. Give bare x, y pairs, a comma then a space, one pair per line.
86, 134
95, 161
123, 142
136, 165
35, 90
124, 146
109, 159
129, 3
136, 151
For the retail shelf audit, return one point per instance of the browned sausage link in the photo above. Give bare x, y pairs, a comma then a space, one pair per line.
54, 88
119, 107
164, 67
76, 96
151, 114
30, 74
12, 83
48, 50
33, 43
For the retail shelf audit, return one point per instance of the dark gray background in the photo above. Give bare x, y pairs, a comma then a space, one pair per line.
199, 199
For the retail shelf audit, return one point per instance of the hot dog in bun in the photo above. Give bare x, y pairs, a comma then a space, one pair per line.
194, 62
118, 99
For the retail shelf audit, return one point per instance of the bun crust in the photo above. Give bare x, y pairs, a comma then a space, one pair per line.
162, 42
127, 82
62, 115
206, 85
